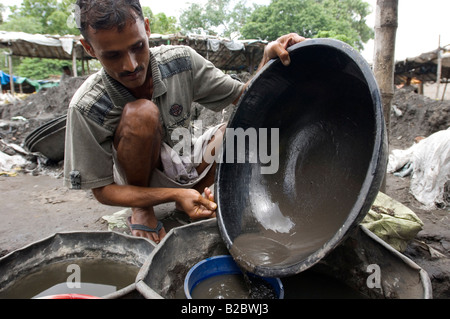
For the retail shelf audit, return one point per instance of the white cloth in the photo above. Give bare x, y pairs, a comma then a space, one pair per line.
178, 171
429, 162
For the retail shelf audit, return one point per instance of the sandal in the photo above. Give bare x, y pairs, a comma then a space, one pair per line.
143, 227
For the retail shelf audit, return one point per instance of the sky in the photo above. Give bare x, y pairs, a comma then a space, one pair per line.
421, 22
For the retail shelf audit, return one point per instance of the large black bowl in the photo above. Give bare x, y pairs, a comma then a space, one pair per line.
49, 139
322, 121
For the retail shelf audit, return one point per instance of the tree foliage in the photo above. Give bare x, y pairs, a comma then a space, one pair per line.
40, 69
51, 17
160, 22
343, 19
44, 16
217, 17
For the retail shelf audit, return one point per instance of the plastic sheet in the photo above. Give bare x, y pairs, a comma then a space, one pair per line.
393, 222
429, 164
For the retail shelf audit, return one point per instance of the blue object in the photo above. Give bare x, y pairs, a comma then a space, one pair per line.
221, 265
6, 78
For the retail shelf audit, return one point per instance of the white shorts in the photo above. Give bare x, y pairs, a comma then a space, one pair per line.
178, 172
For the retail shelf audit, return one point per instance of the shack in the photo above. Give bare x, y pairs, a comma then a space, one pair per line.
226, 54
433, 66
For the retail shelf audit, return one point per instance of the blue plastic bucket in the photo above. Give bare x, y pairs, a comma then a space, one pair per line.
221, 265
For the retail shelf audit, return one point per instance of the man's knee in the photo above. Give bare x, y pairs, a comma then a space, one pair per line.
140, 118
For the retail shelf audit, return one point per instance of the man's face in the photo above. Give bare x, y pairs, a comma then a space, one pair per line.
124, 55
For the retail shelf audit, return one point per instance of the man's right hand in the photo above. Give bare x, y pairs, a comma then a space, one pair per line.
195, 205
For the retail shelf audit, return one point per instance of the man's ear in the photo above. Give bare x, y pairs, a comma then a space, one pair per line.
147, 26
88, 48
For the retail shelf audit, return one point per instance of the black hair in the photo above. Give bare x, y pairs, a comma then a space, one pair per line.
106, 14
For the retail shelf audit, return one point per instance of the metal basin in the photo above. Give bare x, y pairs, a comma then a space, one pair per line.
30, 271
349, 267
321, 121
49, 139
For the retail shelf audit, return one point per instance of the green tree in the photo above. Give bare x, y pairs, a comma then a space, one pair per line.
42, 9
160, 23
217, 17
23, 24
163, 24
148, 13
343, 19
43, 17
40, 69
2, 10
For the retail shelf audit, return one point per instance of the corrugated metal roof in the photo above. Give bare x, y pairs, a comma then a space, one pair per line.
423, 67
42, 46
225, 54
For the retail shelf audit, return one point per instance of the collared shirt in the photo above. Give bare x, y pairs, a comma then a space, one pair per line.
180, 76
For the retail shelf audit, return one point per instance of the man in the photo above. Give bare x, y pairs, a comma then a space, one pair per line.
120, 121
66, 73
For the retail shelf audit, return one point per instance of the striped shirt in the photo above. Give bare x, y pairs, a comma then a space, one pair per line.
180, 76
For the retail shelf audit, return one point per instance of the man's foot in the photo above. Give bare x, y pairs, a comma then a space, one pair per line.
143, 223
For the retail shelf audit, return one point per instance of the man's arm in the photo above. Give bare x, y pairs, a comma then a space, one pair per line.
191, 201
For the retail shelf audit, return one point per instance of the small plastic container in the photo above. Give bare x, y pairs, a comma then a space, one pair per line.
222, 265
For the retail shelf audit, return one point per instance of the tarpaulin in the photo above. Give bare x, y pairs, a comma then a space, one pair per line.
6, 78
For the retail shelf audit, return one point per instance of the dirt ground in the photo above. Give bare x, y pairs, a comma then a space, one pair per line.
34, 204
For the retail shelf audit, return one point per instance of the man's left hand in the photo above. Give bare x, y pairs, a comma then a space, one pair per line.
278, 48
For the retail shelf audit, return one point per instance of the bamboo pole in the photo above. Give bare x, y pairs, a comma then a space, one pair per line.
11, 78
74, 62
439, 69
386, 23
445, 90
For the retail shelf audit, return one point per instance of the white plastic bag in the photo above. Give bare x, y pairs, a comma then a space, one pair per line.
431, 170
430, 167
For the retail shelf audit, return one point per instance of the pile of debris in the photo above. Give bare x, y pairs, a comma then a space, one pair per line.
20, 118
414, 115
420, 146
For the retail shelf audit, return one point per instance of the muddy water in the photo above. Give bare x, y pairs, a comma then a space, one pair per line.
227, 286
233, 286
91, 277
292, 214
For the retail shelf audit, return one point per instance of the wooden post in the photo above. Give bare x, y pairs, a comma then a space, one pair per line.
421, 88
439, 69
82, 67
11, 78
445, 90
386, 23
74, 62
83, 72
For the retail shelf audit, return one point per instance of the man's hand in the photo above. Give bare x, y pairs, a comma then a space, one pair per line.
196, 206
279, 47
275, 49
